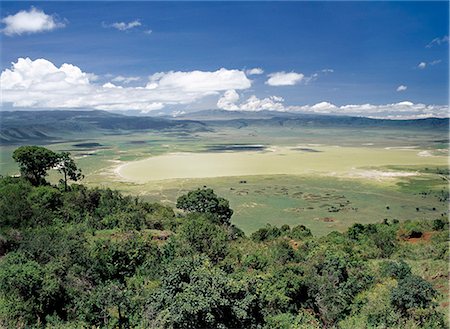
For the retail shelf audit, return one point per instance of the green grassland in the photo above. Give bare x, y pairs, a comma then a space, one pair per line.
325, 178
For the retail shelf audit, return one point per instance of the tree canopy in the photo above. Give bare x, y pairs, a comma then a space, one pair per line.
206, 201
35, 161
83, 257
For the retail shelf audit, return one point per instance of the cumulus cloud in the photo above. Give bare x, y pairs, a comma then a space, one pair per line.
31, 21
40, 84
200, 81
438, 41
401, 110
123, 79
402, 88
230, 98
228, 101
284, 78
255, 71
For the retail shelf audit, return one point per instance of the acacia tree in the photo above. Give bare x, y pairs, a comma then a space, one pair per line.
34, 162
66, 165
206, 201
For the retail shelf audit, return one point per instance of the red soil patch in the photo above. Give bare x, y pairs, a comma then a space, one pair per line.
328, 219
426, 236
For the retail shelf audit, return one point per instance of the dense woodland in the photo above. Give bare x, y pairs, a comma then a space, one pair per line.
78, 257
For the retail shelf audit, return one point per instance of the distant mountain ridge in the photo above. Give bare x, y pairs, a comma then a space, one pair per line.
222, 117
19, 127
47, 126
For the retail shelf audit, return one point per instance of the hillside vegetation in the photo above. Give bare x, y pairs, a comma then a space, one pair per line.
78, 257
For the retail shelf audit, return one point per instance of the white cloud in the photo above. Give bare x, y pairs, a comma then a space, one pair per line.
422, 65
402, 88
200, 81
437, 41
228, 100
123, 79
123, 26
111, 85
284, 79
41, 84
437, 61
401, 110
31, 21
255, 71
148, 32
323, 107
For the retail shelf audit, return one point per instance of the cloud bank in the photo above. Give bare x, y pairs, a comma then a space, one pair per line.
31, 21
41, 84
401, 110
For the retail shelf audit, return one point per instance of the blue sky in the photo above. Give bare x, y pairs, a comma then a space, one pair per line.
344, 53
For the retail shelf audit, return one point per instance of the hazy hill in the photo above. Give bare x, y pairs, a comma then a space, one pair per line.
275, 118
46, 126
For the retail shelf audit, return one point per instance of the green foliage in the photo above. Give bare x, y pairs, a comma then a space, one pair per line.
439, 224
202, 236
206, 201
396, 270
300, 232
15, 208
303, 320
66, 165
107, 305
194, 294
34, 162
412, 292
266, 233
270, 232
30, 290
81, 258
119, 259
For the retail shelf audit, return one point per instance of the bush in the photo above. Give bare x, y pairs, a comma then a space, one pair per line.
206, 201
202, 236
412, 292
300, 232
396, 270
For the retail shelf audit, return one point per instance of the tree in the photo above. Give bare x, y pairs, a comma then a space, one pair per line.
194, 294
34, 162
412, 292
204, 237
206, 201
68, 168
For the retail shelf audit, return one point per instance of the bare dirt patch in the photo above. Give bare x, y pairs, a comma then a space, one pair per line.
426, 236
